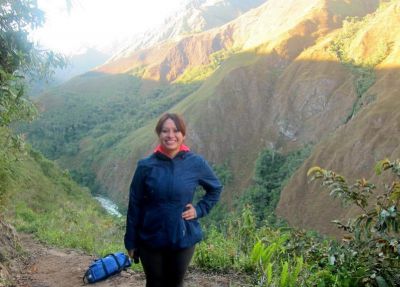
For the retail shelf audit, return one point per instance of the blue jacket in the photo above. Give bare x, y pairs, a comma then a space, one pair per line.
161, 188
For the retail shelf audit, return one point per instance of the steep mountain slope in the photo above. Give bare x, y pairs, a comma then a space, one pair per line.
368, 137
194, 17
278, 77
168, 60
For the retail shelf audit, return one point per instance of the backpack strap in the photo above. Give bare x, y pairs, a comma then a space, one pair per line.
116, 260
126, 262
104, 267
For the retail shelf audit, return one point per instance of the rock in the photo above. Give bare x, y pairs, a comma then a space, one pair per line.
9, 244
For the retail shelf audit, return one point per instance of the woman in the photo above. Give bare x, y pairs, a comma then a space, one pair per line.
162, 226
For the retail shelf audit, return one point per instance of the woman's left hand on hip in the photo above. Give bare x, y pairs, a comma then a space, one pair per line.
189, 213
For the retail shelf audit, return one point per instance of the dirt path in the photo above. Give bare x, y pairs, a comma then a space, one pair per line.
51, 267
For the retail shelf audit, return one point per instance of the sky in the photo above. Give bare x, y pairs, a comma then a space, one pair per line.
99, 24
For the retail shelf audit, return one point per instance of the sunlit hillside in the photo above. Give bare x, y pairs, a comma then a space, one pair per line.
194, 17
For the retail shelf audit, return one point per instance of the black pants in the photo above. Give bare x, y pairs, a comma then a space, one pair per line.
165, 268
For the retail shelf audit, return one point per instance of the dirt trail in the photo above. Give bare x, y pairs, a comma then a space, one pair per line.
53, 267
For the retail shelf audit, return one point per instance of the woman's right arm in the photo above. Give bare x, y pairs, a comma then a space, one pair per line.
134, 208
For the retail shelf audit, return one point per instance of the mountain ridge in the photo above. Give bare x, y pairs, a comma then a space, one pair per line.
192, 18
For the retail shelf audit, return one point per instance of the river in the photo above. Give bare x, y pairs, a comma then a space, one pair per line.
109, 205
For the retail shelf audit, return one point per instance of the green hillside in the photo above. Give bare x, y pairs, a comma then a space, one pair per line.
43, 199
92, 113
96, 120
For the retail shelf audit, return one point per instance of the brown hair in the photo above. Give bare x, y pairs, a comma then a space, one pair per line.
177, 119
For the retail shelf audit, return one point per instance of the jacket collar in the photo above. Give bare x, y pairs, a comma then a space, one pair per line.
160, 150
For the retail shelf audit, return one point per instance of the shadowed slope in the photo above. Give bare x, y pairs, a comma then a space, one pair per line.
371, 135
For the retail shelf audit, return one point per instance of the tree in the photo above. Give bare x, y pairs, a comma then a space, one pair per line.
20, 59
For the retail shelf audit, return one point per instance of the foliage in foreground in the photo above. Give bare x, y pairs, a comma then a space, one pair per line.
374, 235
57, 212
368, 256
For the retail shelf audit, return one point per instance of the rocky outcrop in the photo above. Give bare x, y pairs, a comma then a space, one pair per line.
9, 243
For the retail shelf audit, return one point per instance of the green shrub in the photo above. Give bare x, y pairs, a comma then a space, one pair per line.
361, 68
372, 254
272, 171
216, 253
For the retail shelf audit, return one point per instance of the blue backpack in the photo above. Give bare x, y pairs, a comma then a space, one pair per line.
103, 268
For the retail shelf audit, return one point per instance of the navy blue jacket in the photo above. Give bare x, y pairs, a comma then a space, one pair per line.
161, 188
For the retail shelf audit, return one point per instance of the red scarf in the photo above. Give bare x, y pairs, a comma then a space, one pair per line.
160, 149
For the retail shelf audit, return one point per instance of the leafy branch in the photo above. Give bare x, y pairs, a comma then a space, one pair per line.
375, 231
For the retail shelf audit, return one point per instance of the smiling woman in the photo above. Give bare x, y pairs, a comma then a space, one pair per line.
162, 227
77, 24
171, 131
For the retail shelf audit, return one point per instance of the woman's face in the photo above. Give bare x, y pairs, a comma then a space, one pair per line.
170, 138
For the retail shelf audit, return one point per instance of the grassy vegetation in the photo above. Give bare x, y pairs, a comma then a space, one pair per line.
272, 171
207, 88
348, 8
362, 68
200, 73
44, 200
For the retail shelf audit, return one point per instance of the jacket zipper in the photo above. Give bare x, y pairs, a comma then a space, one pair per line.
171, 182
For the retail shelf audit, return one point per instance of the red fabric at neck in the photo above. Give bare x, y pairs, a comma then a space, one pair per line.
160, 149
